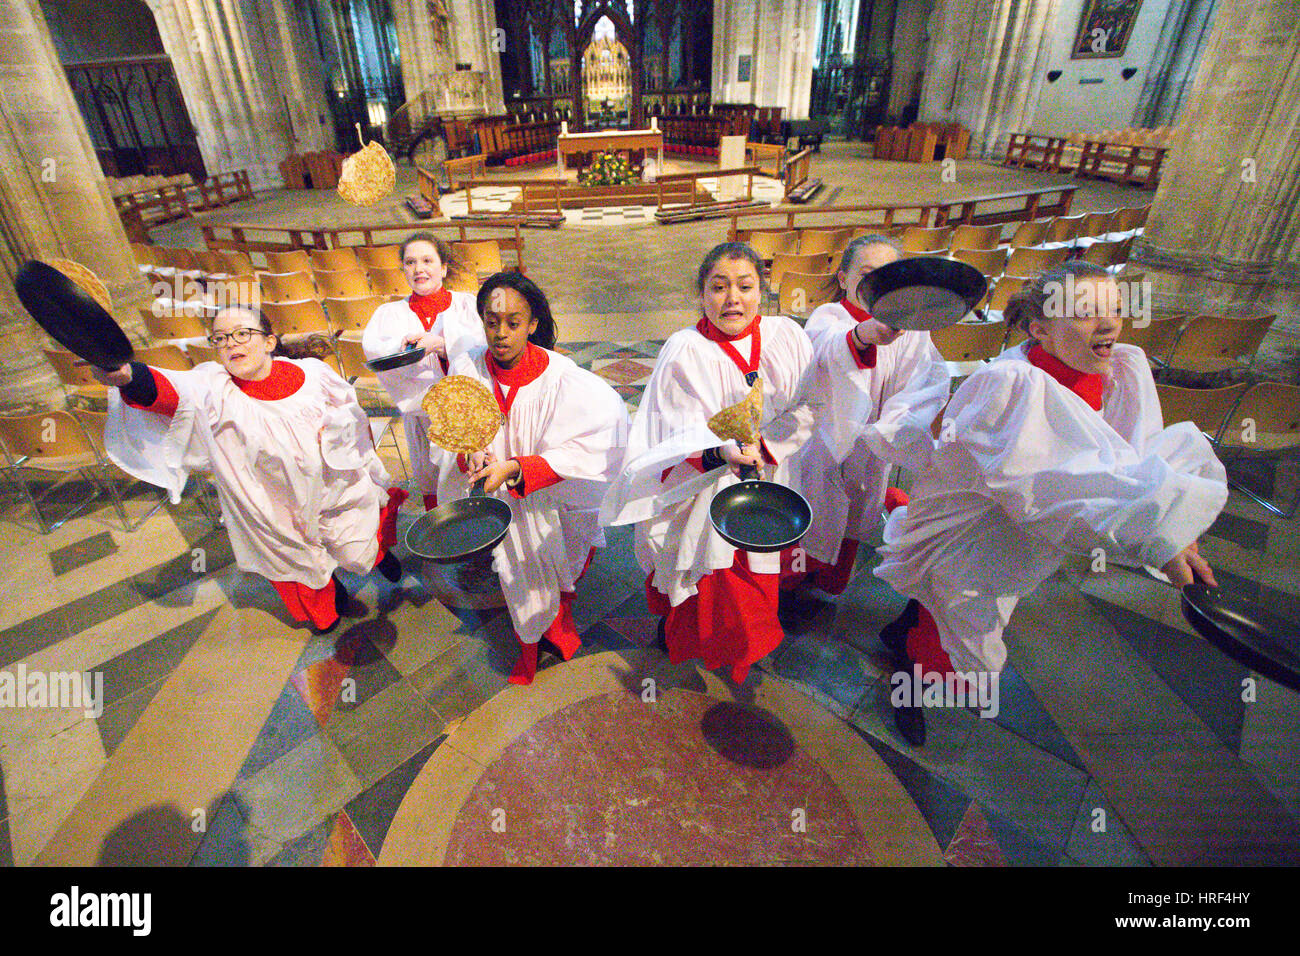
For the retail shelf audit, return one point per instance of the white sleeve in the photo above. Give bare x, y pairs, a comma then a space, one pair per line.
162, 449
789, 429
1070, 479
914, 393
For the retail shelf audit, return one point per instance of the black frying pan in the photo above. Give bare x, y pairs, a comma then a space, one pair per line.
1247, 632
460, 530
405, 357
74, 319
923, 294
760, 516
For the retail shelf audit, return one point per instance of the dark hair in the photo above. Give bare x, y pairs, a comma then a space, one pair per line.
861, 242
538, 306
312, 346
1028, 305
730, 250
444, 249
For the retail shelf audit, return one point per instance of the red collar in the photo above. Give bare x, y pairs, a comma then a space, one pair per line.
1088, 386
285, 379
429, 307
859, 314
715, 334
531, 364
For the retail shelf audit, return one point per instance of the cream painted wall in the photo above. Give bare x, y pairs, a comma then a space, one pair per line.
779, 36
1068, 106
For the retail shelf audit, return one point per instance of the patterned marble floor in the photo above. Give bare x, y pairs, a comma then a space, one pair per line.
1122, 738
231, 736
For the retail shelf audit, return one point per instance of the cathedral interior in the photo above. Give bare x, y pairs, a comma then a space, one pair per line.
167, 146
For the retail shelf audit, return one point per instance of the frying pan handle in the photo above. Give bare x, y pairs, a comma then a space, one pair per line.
476, 489
748, 472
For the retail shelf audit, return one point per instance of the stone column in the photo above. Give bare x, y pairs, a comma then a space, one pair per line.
54, 202
229, 74
1224, 232
984, 64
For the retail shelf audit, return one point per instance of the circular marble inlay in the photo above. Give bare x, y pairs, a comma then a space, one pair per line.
689, 779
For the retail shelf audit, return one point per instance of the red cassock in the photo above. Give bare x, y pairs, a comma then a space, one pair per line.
719, 603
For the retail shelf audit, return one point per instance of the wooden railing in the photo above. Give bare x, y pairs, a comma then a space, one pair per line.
1133, 163
767, 157
964, 211
681, 191
797, 169
254, 238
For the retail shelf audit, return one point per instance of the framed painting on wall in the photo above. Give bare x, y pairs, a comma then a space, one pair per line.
743, 63
1104, 28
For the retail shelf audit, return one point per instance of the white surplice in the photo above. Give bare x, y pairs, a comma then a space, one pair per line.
693, 380
386, 333
298, 478
869, 419
1032, 473
578, 423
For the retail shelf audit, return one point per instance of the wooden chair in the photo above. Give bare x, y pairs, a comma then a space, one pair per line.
351, 315
296, 260
1098, 223
290, 287
1027, 263
389, 282
802, 292
1103, 253
352, 284
212, 264
1065, 228
146, 256
1215, 343
352, 366
822, 241
482, 257
199, 354
1131, 217
996, 299
812, 264
922, 239
991, 262
1265, 424
1030, 233
1155, 338
1206, 408
459, 281
188, 322
297, 318
378, 257
343, 259
55, 443
165, 357
976, 237
768, 243
237, 263
76, 379
967, 345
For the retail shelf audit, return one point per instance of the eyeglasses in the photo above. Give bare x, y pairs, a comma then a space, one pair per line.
239, 336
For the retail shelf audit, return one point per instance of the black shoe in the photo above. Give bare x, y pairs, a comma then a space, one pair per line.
908, 718
894, 634
661, 635
390, 567
341, 597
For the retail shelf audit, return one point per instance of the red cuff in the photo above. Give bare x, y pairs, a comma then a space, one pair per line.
167, 401
534, 475
463, 464
766, 452
865, 358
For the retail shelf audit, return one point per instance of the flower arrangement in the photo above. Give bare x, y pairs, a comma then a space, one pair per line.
609, 169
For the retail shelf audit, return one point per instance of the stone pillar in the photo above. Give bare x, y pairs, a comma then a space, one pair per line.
54, 202
475, 39
229, 71
779, 36
1224, 232
984, 64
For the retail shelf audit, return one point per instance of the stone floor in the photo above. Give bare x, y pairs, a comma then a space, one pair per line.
231, 736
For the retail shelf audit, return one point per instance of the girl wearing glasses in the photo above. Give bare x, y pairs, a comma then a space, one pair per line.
302, 491
443, 323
